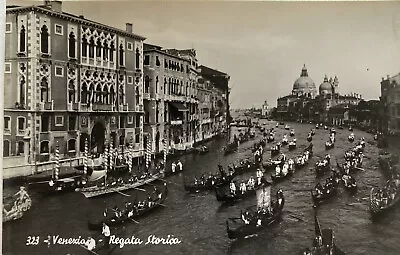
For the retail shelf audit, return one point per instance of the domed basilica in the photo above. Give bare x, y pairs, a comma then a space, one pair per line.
304, 95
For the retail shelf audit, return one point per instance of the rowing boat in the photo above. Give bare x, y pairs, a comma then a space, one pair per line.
103, 190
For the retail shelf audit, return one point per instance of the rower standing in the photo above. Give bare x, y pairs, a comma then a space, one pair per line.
259, 176
251, 183
179, 165
173, 167
90, 243
243, 187
106, 233
233, 188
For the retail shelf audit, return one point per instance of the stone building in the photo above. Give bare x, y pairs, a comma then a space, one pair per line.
68, 79
390, 104
170, 102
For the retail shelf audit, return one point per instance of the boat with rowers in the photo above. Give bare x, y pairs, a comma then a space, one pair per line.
292, 144
265, 214
132, 211
229, 194
384, 199
19, 206
96, 191
323, 166
321, 193
324, 241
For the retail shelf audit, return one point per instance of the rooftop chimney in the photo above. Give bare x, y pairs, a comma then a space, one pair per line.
54, 5
129, 28
81, 16
388, 76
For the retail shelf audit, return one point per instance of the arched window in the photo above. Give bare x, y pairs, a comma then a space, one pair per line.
112, 94
44, 90
22, 39
121, 94
84, 46
71, 145
71, 91
169, 86
112, 49
71, 45
98, 49
84, 93
44, 147
44, 39
20, 148
156, 84
91, 96
98, 94
137, 58
137, 94
91, 48
6, 148
121, 55
105, 51
165, 85
146, 84
22, 90
105, 95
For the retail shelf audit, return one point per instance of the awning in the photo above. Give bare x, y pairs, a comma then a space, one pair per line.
179, 106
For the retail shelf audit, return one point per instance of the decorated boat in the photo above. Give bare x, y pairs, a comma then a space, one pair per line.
292, 132
309, 138
349, 183
20, 205
283, 172
96, 191
252, 221
209, 183
321, 194
223, 193
287, 127
351, 138
384, 199
322, 166
324, 241
132, 211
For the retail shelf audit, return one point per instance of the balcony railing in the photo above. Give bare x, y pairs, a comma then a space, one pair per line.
86, 107
123, 108
146, 96
73, 106
139, 108
48, 106
176, 122
102, 107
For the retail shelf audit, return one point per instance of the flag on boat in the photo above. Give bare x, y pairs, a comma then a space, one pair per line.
85, 158
264, 197
57, 169
148, 152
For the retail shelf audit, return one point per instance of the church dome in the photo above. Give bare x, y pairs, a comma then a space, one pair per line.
325, 87
304, 84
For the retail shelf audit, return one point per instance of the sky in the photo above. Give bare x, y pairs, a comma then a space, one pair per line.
263, 45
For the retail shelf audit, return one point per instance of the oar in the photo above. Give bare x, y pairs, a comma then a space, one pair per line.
296, 217
160, 204
88, 249
140, 189
122, 193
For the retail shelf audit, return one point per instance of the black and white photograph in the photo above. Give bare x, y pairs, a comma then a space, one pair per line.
200, 127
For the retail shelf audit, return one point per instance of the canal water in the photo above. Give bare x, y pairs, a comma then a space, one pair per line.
198, 220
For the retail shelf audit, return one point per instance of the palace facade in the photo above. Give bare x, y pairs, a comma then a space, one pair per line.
68, 79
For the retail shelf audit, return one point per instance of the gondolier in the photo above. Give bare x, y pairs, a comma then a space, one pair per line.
251, 183
179, 165
233, 188
90, 244
106, 233
259, 176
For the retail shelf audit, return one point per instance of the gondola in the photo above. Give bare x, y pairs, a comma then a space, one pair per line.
312, 133
351, 138
275, 151
291, 133
208, 184
258, 220
309, 138
224, 195
278, 178
284, 142
324, 241
287, 127
292, 145
349, 183
378, 206
329, 145
326, 194
17, 211
270, 138
350, 128
333, 131
322, 167
202, 149
128, 215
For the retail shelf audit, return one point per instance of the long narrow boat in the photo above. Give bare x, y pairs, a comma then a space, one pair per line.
326, 195
103, 190
260, 219
17, 211
130, 215
324, 241
224, 195
209, 184
377, 206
